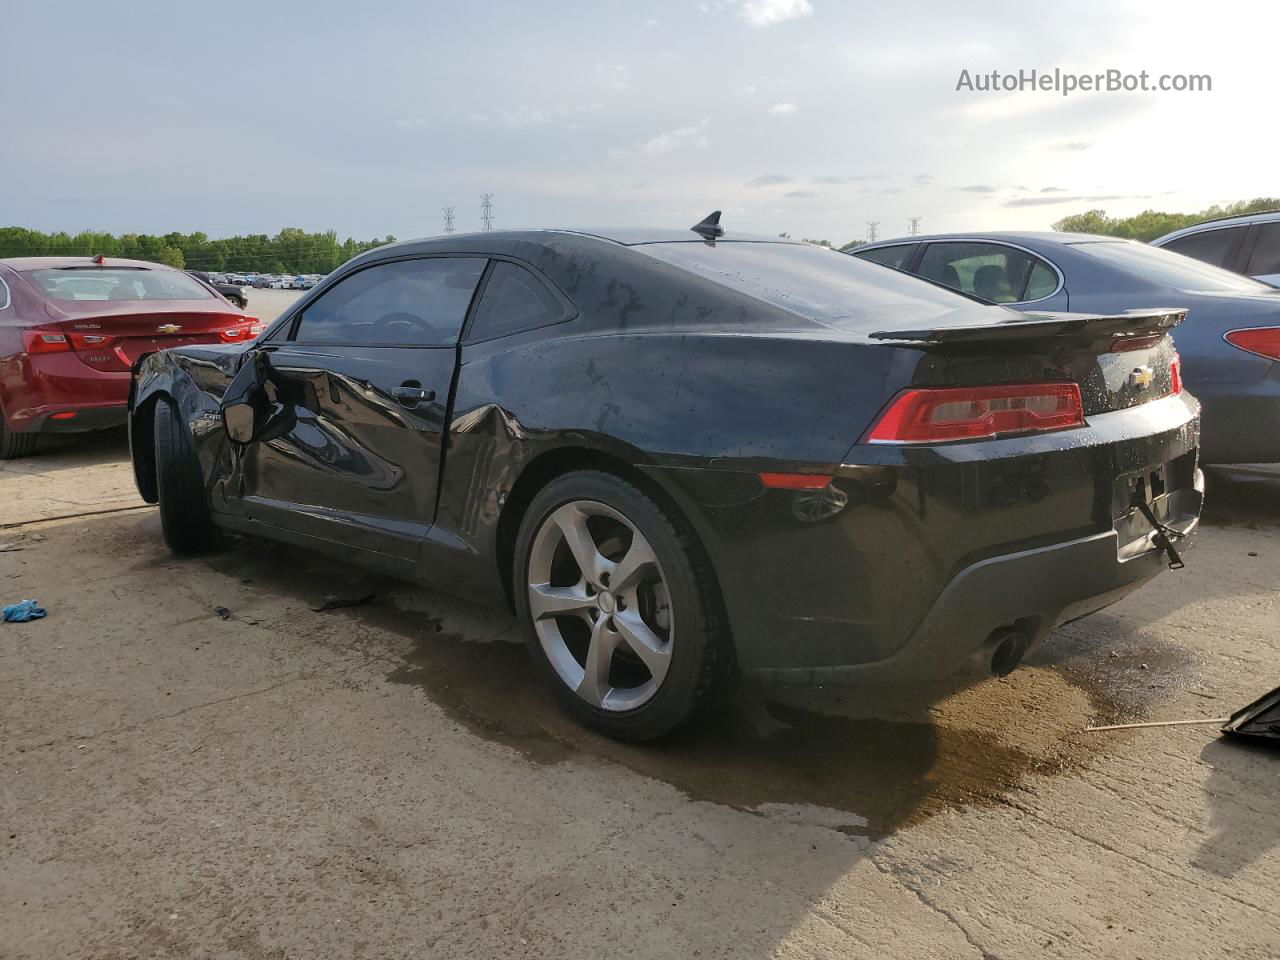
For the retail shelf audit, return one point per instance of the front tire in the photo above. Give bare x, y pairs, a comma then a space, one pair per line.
620, 608
184, 509
14, 445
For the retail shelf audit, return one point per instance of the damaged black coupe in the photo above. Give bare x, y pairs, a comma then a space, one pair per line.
681, 455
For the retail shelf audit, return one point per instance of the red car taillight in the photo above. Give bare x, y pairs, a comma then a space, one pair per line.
1175, 375
1264, 341
968, 413
41, 341
246, 329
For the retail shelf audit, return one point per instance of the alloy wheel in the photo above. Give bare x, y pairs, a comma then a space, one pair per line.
600, 605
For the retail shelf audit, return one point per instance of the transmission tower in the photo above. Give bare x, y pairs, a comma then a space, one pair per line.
873, 230
915, 225
448, 219
486, 210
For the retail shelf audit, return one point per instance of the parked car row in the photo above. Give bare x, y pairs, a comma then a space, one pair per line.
237, 294
268, 281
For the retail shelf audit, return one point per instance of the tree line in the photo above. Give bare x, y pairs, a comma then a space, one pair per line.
290, 251
1150, 224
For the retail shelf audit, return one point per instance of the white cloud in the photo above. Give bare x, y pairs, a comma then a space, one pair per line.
782, 109
523, 116
669, 141
765, 13
613, 78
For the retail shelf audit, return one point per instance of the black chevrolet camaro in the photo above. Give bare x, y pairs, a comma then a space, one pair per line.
682, 455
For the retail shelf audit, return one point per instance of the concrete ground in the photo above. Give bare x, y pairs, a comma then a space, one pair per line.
197, 761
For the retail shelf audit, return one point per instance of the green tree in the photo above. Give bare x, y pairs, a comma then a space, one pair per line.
292, 250
1150, 224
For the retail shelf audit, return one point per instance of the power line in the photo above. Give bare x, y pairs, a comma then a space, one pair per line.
448, 219
873, 228
486, 210
914, 230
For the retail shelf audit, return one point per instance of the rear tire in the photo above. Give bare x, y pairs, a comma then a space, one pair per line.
668, 651
14, 445
184, 510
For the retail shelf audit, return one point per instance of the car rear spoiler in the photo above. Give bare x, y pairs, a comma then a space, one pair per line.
1046, 326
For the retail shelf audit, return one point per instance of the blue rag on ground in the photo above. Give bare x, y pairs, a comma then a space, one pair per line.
22, 611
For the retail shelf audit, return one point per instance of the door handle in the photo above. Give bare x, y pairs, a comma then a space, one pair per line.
411, 394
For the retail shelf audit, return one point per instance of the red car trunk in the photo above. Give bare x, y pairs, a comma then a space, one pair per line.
115, 337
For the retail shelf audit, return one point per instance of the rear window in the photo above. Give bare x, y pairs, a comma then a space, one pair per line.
100, 284
808, 280
1167, 268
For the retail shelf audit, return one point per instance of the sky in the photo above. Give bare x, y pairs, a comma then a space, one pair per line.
811, 117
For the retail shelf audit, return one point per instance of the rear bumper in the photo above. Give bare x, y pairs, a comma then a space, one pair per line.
59, 383
1032, 591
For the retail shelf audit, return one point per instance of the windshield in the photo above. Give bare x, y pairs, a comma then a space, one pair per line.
1168, 268
124, 284
808, 280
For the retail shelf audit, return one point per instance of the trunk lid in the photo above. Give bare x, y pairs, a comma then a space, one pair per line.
1119, 361
114, 339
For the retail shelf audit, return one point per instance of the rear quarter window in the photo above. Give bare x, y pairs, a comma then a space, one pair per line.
513, 300
1216, 247
895, 256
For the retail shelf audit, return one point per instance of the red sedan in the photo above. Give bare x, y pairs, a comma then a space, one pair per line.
72, 327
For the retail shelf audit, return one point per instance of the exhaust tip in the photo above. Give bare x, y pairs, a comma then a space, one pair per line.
1008, 647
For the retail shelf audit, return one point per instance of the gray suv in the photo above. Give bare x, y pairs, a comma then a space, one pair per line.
1249, 244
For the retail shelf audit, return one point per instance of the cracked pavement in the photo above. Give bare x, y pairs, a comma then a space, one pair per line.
389, 781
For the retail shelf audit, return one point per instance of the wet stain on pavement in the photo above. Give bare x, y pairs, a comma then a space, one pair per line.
865, 762
817, 748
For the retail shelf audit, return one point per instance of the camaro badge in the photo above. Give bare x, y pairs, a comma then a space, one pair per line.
174, 328
1141, 378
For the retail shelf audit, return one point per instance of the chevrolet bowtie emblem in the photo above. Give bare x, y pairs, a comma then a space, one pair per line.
168, 328
1141, 378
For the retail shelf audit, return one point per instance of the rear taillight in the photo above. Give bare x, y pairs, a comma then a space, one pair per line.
1264, 341
968, 413
1175, 375
245, 329
40, 341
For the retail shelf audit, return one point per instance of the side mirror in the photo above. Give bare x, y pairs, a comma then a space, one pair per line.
246, 407
239, 419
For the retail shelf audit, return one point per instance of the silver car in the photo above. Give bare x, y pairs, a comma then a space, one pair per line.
1249, 244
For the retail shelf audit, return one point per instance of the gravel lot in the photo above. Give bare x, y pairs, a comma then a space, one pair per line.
388, 780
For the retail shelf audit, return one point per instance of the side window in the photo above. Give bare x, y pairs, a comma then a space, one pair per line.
513, 300
1042, 283
407, 303
4, 294
1265, 259
895, 256
1217, 247
989, 270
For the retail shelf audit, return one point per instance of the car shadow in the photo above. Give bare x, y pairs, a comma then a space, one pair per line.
1243, 495
69, 451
